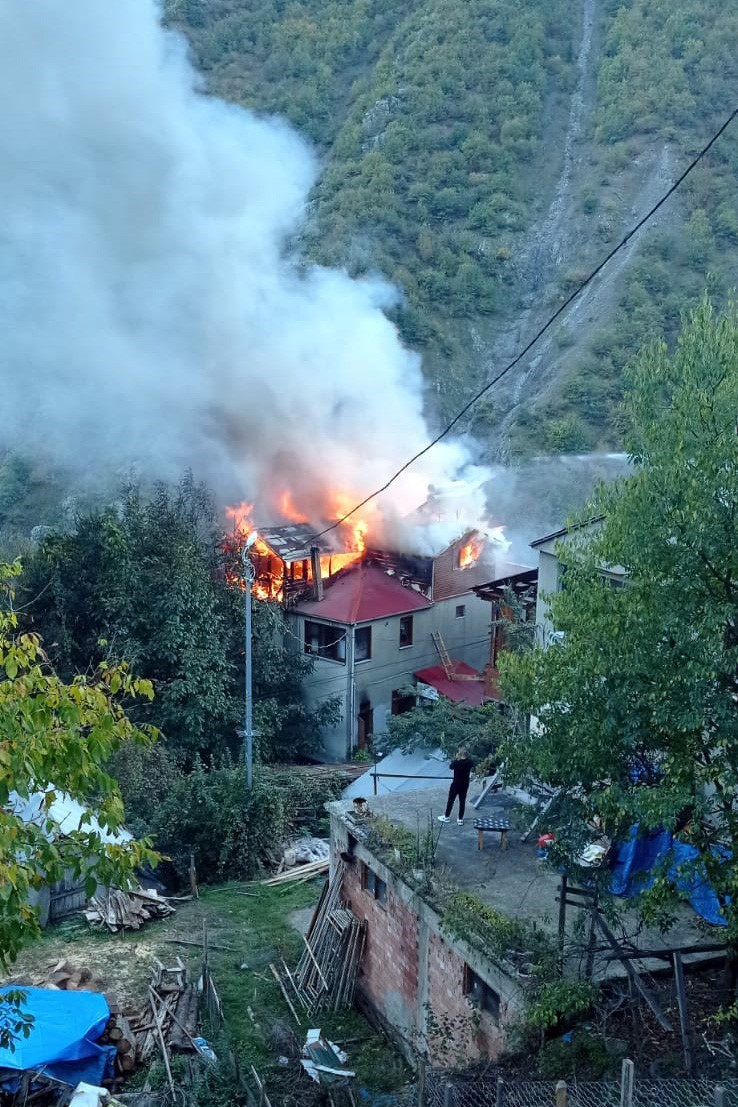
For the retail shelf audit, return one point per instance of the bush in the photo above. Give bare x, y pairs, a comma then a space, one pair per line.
211, 813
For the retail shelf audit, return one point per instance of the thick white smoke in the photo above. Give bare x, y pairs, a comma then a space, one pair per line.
149, 310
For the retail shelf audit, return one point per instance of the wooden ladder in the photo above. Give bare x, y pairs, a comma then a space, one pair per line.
448, 665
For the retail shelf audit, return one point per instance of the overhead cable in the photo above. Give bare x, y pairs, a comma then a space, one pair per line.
539, 334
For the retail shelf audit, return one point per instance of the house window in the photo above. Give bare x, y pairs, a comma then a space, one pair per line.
324, 640
479, 993
406, 631
362, 643
401, 702
460, 610
374, 885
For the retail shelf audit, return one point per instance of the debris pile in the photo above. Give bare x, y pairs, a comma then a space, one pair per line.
127, 910
302, 860
169, 1019
326, 974
324, 1062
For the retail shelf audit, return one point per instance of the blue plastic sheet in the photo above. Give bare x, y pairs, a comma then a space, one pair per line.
635, 860
64, 1038
634, 863
691, 879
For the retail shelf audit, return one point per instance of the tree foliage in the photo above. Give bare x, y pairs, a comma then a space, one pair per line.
145, 579
638, 703
56, 738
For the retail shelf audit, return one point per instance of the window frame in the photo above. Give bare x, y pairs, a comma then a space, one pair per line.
480, 994
336, 636
368, 632
461, 611
405, 621
373, 885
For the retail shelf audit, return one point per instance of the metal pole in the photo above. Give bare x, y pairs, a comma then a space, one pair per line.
249, 576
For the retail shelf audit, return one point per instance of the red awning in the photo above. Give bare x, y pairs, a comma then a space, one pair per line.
469, 692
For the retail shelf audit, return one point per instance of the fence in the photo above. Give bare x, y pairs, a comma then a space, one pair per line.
442, 1090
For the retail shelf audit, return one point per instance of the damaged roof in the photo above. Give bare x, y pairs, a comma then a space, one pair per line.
363, 594
292, 542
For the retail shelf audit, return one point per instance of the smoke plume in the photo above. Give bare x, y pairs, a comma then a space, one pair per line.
150, 309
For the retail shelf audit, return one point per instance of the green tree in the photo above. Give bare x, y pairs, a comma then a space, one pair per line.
637, 703
56, 738
148, 578
143, 577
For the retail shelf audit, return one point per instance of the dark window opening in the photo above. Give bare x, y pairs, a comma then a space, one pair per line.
402, 702
366, 724
326, 641
374, 885
406, 631
460, 610
362, 643
479, 993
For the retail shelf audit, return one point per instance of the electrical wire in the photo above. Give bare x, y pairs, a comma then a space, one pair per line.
539, 334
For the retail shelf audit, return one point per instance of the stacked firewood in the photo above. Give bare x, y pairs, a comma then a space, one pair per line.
170, 1018
127, 910
168, 1021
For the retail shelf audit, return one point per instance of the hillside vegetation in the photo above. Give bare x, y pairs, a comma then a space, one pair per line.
443, 125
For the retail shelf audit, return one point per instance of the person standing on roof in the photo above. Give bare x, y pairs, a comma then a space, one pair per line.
461, 767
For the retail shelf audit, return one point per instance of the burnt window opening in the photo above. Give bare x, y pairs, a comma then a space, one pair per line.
401, 702
406, 631
362, 644
460, 610
374, 885
323, 640
480, 994
366, 724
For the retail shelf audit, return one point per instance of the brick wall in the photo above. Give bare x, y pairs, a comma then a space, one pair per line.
389, 972
414, 979
457, 1030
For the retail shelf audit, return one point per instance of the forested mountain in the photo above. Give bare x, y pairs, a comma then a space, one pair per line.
483, 155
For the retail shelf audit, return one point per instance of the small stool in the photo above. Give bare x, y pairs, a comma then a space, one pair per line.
498, 826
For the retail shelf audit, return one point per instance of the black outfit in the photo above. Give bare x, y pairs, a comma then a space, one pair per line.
461, 769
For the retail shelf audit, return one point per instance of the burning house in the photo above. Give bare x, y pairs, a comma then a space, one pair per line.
385, 628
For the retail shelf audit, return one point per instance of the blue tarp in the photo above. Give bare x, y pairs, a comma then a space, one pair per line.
635, 860
64, 1038
634, 863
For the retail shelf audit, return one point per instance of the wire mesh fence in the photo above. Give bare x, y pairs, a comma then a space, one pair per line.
445, 1091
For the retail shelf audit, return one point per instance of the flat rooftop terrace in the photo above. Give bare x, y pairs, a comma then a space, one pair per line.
517, 884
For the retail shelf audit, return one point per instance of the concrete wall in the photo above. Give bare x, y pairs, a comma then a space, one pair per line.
413, 976
392, 667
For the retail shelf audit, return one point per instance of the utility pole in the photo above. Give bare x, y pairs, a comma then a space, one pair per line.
249, 576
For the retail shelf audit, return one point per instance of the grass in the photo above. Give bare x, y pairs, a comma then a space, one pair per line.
255, 923
261, 921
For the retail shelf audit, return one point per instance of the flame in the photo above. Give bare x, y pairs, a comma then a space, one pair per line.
288, 509
269, 581
471, 551
241, 516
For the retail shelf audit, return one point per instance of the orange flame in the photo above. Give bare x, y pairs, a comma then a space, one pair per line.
288, 509
471, 551
270, 569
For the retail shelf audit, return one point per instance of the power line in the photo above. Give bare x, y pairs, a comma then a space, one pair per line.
539, 334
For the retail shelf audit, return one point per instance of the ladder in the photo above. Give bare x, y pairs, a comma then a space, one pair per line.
449, 667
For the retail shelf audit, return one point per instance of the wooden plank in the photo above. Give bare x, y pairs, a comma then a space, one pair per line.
283, 990
163, 1045
637, 982
682, 1005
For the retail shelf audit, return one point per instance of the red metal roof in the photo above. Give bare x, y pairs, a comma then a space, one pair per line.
469, 692
362, 595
